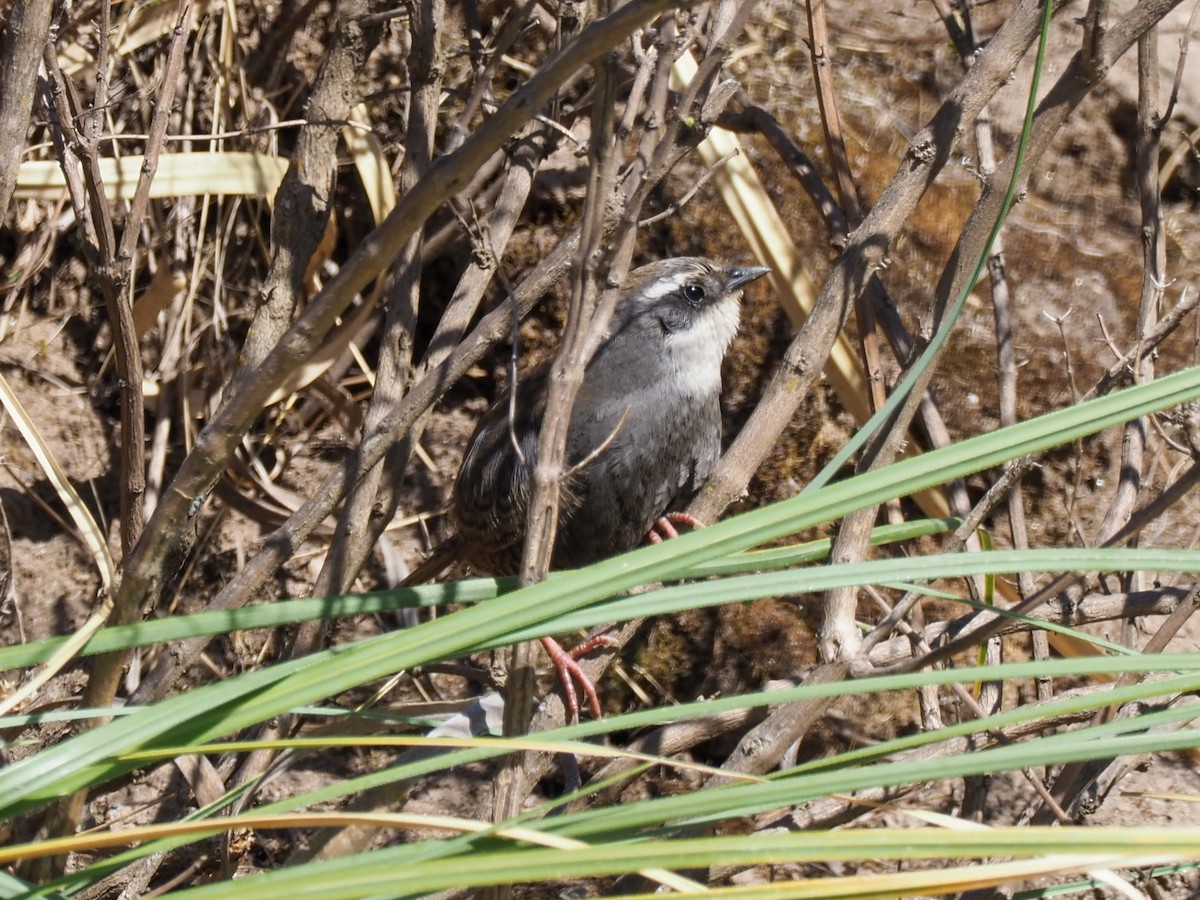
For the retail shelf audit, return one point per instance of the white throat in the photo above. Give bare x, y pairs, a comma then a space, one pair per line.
695, 354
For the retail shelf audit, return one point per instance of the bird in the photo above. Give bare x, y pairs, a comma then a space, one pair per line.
644, 434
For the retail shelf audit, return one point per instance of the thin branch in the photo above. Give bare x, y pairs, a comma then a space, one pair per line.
1075, 778
26, 31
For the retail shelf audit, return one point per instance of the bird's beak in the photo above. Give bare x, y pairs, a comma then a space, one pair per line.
743, 275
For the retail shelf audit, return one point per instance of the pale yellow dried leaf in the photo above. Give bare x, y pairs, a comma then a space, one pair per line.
178, 175
369, 161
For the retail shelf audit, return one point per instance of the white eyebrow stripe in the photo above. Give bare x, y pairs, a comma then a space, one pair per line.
663, 286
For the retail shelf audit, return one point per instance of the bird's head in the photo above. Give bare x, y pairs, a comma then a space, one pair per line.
694, 303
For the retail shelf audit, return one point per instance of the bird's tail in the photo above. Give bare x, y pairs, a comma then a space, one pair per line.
443, 556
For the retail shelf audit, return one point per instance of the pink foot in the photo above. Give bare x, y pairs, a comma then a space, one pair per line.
569, 672
665, 527
600, 640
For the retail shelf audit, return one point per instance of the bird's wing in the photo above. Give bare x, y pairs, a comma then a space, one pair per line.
495, 484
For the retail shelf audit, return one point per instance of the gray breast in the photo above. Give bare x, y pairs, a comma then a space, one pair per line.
663, 444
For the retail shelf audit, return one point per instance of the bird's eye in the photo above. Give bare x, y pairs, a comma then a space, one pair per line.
694, 293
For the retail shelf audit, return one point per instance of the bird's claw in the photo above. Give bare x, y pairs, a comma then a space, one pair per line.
569, 671
665, 526
600, 640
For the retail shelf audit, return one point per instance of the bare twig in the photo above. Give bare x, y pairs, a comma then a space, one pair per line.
26, 30
963, 35
587, 319
356, 532
1184, 44
1074, 779
304, 196
116, 273
822, 59
677, 205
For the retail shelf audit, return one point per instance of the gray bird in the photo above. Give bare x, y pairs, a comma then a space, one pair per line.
645, 431
645, 428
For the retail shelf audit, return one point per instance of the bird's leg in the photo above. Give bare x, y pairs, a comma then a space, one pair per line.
567, 667
600, 640
665, 526
566, 663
